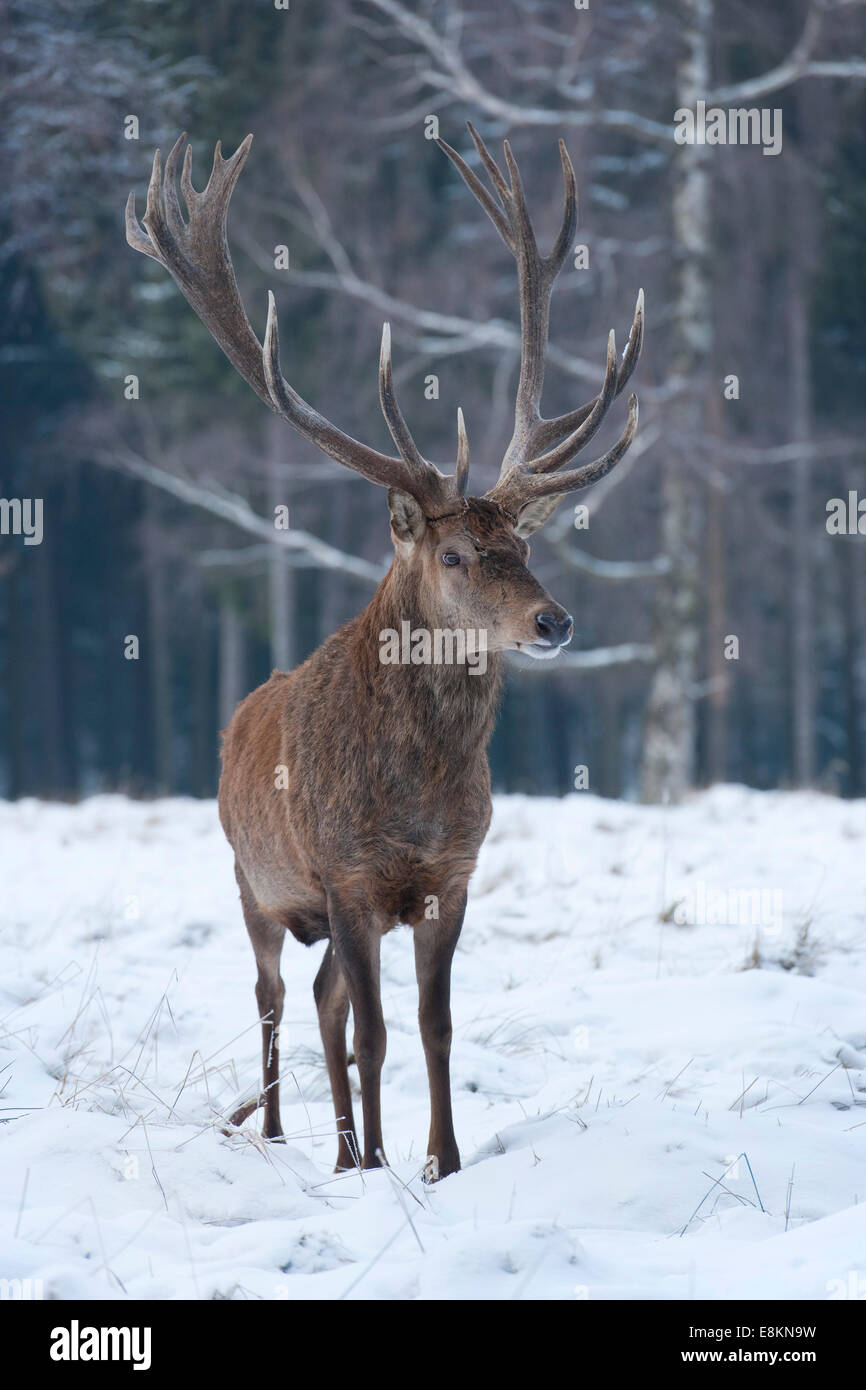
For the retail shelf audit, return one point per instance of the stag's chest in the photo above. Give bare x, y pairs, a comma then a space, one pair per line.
416, 846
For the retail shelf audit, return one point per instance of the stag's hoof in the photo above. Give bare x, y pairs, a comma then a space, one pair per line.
376, 1160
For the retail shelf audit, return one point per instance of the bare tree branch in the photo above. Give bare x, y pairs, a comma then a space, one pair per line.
238, 557
613, 571
450, 75
798, 64
596, 658
453, 334
789, 453
229, 506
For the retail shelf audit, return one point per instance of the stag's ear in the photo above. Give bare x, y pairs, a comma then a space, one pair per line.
536, 514
407, 518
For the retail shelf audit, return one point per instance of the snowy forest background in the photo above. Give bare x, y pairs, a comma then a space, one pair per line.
156, 509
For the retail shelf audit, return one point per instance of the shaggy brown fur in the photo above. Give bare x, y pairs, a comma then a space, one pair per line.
386, 804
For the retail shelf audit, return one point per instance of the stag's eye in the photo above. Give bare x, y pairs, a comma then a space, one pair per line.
451, 558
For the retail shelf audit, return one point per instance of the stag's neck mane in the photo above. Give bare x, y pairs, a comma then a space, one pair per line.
453, 702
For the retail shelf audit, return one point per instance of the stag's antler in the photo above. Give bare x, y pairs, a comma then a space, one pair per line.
524, 480
196, 255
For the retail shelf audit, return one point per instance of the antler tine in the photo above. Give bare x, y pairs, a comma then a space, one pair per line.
399, 430
526, 243
535, 506
531, 458
568, 226
535, 274
580, 437
196, 255
135, 233
140, 237
461, 472
171, 203
379, 468
406, 446
576, 478
476, 187
496, 176
549, 431
283, 398
634, 344
519, 490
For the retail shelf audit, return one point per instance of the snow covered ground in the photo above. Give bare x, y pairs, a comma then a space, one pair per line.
659, 1065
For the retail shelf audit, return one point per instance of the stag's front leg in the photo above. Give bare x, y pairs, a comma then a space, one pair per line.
435, 943
357, 936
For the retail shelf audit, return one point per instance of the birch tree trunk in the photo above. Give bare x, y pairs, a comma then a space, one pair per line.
231, 659
850, 560
718, 668
281, 575
669, 731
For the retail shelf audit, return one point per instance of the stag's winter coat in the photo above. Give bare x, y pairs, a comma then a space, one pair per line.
355, 790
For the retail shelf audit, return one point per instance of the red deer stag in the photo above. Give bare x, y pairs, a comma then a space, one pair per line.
384, 798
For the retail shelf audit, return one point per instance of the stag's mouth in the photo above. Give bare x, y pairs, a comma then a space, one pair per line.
540, 651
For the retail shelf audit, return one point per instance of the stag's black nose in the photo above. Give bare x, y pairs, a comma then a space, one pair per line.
555, 628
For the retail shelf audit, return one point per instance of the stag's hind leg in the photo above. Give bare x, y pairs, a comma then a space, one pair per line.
267, 941
332, 1002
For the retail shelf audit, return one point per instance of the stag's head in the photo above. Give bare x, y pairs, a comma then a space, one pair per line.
468, 554
468, 568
